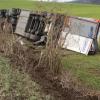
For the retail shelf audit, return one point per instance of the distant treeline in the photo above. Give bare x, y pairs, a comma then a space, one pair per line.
88, 1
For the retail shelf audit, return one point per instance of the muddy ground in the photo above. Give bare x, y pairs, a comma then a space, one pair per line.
60, 86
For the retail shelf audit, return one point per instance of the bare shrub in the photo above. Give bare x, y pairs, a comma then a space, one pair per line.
48, 58
51, 57
24, 58
6, 38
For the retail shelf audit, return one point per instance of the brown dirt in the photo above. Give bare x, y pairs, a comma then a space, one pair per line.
60, 87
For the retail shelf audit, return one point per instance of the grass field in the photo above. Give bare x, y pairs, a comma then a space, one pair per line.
86, 68
16, 84
86, 10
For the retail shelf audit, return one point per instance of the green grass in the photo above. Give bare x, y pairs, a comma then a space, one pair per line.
85, 68
14, 85
86, 10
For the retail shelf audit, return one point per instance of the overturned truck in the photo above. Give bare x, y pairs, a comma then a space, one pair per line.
73, 33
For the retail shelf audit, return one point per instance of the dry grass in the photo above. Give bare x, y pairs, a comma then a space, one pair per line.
48, 58
6, 37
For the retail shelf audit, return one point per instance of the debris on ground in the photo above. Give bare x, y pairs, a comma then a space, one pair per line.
76, 33
44, 64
